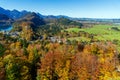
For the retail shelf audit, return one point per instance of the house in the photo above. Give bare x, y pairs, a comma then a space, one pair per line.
53, 39
14, 34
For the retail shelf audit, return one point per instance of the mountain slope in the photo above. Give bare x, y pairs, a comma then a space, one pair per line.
3, 17
14, 14
5, 20
33, 18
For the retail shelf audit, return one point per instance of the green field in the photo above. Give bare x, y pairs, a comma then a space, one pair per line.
83, 39
103, 32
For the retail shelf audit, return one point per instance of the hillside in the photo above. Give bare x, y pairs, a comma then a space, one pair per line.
5, 20
32, 19
4, 17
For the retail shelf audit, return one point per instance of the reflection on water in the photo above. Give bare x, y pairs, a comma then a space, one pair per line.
7, 28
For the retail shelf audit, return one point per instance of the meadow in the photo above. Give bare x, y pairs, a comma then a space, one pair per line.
102, 32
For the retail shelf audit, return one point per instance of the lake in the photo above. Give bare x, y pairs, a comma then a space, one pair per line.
7, 28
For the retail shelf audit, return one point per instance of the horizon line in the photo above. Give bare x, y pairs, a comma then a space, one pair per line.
62, 14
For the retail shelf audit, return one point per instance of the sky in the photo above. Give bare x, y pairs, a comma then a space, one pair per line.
72, 8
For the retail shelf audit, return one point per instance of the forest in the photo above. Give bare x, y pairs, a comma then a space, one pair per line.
59, 49
34, 55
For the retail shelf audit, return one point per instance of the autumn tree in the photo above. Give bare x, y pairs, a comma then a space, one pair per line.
2, 70
2, 49
12, 68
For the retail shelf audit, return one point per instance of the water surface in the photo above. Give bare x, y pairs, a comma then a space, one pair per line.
6, 28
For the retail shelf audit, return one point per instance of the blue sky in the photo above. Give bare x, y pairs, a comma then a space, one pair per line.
72, 8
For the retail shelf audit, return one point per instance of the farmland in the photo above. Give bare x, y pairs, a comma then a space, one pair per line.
101, 32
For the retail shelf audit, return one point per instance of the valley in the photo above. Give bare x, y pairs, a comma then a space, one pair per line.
39, 47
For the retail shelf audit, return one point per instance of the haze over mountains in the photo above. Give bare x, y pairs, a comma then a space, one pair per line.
16, 15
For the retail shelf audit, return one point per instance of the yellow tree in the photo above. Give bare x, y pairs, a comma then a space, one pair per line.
2, 70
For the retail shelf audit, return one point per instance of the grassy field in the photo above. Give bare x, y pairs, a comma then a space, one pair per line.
82, 39
103, 32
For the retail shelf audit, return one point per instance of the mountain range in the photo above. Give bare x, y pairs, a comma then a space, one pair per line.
11, 15
15, 14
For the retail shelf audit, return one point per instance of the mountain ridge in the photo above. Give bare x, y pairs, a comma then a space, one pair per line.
15, 14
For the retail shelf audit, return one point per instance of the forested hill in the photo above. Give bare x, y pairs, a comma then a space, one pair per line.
32, 19
5, 20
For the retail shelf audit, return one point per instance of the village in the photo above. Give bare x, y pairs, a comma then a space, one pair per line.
52, 39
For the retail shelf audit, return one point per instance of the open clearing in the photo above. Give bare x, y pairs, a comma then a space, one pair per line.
103, 32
